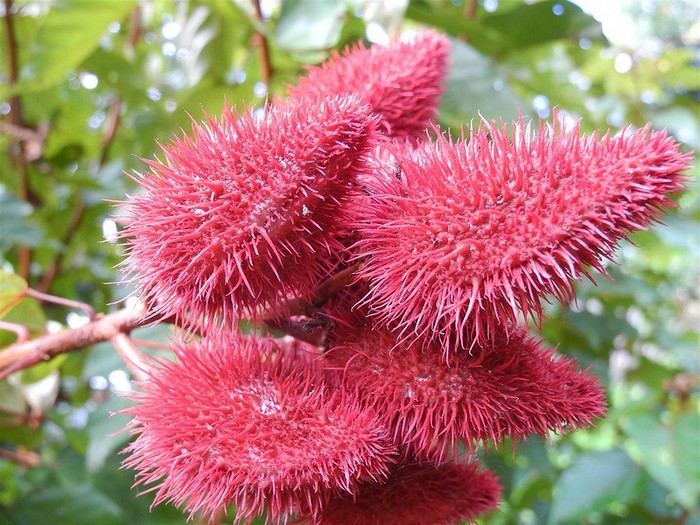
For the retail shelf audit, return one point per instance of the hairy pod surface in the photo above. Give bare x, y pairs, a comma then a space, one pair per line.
461, 237
252, 423
246, 211
514, 387
402, 82
417, 493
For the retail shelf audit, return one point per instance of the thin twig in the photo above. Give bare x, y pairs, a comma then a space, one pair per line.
263, 46
48, 298
312, 331
21, 456
21, 133
31, 419
150, 344
111, 125
333, 285
469, 14
133, 358
20, 330
470, 9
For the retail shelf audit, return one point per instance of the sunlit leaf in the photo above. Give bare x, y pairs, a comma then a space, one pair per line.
595, 480
535, 23
475, 88
669, 451
307, 25
69, 32
12, 289
67, 505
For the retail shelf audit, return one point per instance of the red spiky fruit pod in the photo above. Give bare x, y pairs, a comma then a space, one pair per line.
417, 494
460, 237
245, 212
250, 422
513, 387
402, 82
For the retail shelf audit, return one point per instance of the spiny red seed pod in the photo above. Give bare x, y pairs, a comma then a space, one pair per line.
245, 212
463, 236
251, 423
417, 494
402, 82
514, 387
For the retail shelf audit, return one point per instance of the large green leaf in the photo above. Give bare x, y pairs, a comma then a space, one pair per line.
69, 33
531, 24
669, 451
451, 19
475, 87
595, 480
510, 28
308, 25
79, 504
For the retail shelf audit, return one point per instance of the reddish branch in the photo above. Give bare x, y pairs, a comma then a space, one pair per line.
24, 253
21, 133
263, 49
116, 326
105, 327
21, 456
470, 9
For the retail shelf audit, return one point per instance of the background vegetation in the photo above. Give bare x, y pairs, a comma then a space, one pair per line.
90, 86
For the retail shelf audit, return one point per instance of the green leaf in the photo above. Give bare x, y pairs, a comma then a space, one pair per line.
28, 313
669, 451
105, 432
307, 25
11, 399
594, 481
70, 32
41, 370
681, 122
537, 23
475, 87
15, 227
12, 289
451, 19
67, 505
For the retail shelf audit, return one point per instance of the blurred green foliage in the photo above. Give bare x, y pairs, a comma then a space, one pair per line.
100, 82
